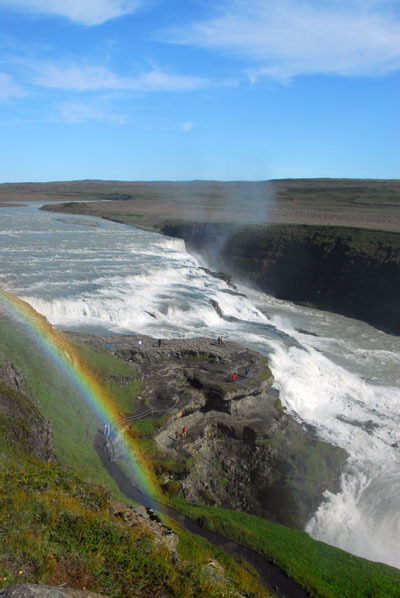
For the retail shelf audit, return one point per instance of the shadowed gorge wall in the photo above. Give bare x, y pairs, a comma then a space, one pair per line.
350, 271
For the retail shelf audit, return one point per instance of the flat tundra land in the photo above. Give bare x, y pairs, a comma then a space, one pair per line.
360, 203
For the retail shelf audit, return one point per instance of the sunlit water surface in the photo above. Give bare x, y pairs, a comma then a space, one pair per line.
338, 374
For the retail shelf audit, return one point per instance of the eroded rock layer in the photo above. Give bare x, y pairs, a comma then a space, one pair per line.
237, 446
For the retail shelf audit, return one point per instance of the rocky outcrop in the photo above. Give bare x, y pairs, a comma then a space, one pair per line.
351, 271
221, 275
248, 454
21, 422
233, 443
30, 590
146, 519
9, 374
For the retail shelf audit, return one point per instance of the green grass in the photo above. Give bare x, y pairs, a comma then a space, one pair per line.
45, 510
57, 529
120, 379
73, 419
355, 241
326, 571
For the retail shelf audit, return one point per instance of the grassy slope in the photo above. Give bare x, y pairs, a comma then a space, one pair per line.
57, 529
325, 571
328, 572
73, 421
55, 526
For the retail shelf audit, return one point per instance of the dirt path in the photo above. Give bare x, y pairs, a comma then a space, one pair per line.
274, 579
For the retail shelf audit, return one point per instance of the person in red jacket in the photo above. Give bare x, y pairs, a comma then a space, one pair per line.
234, 377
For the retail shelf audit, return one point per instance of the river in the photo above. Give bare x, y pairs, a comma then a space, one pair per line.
337, 374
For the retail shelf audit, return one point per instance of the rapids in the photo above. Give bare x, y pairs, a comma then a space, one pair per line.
337, 374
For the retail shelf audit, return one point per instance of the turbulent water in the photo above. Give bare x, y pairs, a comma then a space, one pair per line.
338, 374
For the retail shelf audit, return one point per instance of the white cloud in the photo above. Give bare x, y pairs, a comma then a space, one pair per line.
118, 119
85, 12
284, 38
81, 112
186, 126
8, 89
99, 78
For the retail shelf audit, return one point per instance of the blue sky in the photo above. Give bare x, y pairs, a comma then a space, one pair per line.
199, 89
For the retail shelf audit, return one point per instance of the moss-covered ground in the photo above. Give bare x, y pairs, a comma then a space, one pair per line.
55, 529
325, 571
355, 241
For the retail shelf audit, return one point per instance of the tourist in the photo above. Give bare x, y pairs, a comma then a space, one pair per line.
234, 376
140, 345
184, 431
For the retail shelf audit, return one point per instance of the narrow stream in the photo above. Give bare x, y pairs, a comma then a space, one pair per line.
274, 579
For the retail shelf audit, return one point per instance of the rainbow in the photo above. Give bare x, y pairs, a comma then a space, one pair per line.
64, 356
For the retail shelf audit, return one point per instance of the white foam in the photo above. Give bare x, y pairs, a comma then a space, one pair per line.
171, 243
363, 419
363, 518
117, 315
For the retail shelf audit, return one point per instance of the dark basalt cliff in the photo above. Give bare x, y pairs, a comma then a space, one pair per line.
350, 271
21, 422
241, 449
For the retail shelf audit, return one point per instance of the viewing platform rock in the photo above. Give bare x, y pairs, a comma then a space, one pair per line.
221, 419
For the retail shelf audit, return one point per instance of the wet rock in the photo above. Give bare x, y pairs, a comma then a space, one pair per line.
221, 275
214, 570
217, 308
202, 522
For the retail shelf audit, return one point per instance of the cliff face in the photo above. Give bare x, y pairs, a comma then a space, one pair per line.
240, 450
21, 423
350, 271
